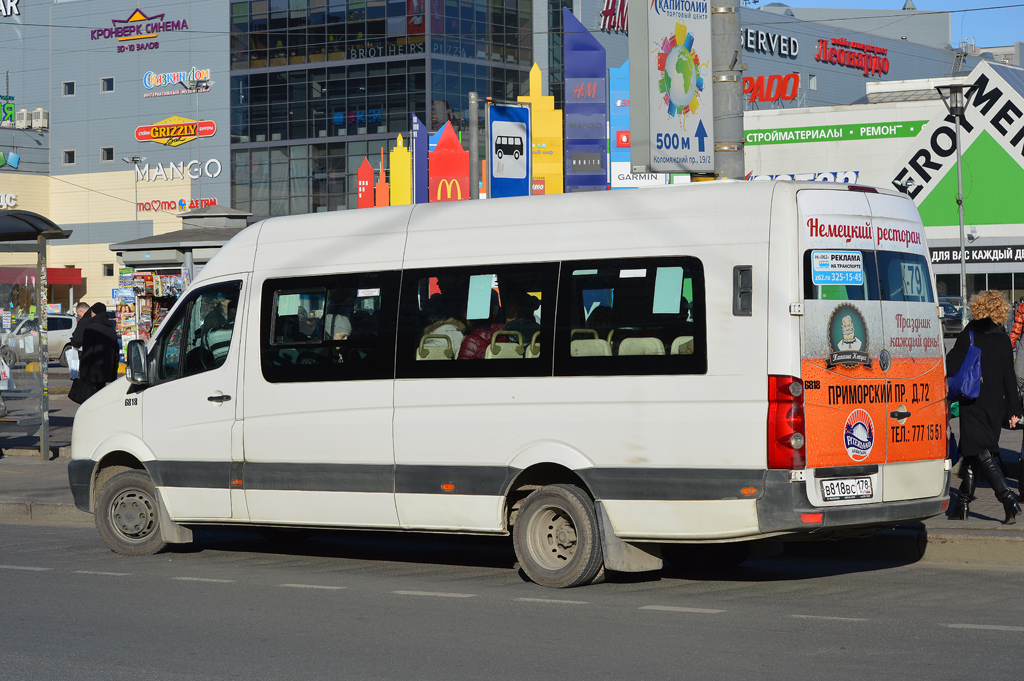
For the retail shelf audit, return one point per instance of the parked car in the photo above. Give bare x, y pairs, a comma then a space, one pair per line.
952, 320
22, 343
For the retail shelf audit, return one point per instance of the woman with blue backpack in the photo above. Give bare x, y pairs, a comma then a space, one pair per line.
982, 417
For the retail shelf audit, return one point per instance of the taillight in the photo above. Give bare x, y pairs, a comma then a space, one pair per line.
786, 423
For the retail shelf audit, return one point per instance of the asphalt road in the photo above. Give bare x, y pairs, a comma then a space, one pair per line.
372, 606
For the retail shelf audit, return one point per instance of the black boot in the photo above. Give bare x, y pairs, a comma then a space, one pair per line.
1009, 501
965, 494
1020, 477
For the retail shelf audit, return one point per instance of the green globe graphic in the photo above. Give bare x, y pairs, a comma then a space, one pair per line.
679, 70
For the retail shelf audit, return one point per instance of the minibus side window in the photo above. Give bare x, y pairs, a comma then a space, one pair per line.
631, 317
197, 339
489, 320
329, 328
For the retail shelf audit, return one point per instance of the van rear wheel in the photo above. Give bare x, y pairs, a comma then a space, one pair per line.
556, 537
127, 515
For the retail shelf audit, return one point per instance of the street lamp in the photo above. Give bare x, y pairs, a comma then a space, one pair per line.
953, 98
134, 161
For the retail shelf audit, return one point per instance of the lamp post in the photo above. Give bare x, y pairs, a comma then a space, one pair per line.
134, 161
953, 98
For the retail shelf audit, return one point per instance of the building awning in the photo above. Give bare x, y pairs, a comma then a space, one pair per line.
23, 225
54, 275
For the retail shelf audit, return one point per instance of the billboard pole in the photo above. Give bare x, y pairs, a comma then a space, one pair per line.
727, 90
474, 146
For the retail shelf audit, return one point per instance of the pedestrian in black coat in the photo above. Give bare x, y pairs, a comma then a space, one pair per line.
997, 403
98, 356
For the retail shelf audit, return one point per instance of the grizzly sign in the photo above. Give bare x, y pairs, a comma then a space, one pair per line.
175, 130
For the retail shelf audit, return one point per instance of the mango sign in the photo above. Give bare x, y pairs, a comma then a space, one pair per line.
175, 131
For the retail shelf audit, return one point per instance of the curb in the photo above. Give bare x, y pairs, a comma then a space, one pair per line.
38, 512
975, 548
55, 452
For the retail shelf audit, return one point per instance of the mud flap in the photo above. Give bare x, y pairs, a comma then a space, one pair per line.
621, 556
170, 531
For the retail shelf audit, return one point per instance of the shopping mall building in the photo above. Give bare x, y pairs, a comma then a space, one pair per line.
126, 116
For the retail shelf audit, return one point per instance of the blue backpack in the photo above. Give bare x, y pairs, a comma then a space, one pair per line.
965, 384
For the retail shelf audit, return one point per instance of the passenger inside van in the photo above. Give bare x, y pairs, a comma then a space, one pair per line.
474, 346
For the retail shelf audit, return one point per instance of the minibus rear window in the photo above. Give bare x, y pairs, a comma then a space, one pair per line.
887, 275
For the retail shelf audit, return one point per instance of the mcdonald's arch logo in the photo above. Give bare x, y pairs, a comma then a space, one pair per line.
448, 187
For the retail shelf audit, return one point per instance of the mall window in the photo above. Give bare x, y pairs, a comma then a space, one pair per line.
812, 81
68, 88
106, 154
68, 156
107, 84
108, 270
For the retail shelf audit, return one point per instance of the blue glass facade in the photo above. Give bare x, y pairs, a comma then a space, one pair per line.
316, 85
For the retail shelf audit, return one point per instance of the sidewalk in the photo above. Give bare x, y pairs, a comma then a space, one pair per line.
33, 491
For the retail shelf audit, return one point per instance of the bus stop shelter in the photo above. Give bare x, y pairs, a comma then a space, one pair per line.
27, 232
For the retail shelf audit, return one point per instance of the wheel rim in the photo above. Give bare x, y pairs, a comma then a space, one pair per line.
133, 515
551, 535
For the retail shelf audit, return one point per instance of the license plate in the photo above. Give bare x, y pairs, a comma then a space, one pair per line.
838, 489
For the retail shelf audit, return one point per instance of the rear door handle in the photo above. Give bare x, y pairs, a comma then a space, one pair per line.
219, 398
897, 414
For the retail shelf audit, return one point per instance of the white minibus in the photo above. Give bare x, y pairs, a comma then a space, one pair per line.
610, 378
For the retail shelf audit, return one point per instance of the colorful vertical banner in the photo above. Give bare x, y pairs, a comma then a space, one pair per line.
586, 108
621, 173
508, 150
546, 138
670, 51
449, 168
420, 177
364, 180
400, 162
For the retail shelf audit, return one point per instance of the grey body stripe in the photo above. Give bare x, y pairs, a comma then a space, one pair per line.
672, 484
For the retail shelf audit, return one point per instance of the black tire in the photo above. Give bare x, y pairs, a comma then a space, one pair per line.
127, 516
705, 557
63, 359
499, 153
515, 154
556, 537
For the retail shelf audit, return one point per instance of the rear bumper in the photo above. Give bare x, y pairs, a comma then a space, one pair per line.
80, 478
784, 509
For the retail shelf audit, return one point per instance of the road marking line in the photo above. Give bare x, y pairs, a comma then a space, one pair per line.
991, 627
438, 594
109, 574
202, 579
549, 600
310, 586
24, 567
828, 617
673, 608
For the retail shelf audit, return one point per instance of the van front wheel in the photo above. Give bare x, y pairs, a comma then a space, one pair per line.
127, 515
556, 537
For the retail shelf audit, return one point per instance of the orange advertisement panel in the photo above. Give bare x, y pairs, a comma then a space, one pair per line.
364, 178
449, 169
871, 342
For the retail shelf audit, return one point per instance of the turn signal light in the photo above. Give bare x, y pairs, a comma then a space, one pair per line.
748, 491
236, 482
448, 487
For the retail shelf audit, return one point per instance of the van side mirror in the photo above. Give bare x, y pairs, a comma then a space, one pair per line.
137, 366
